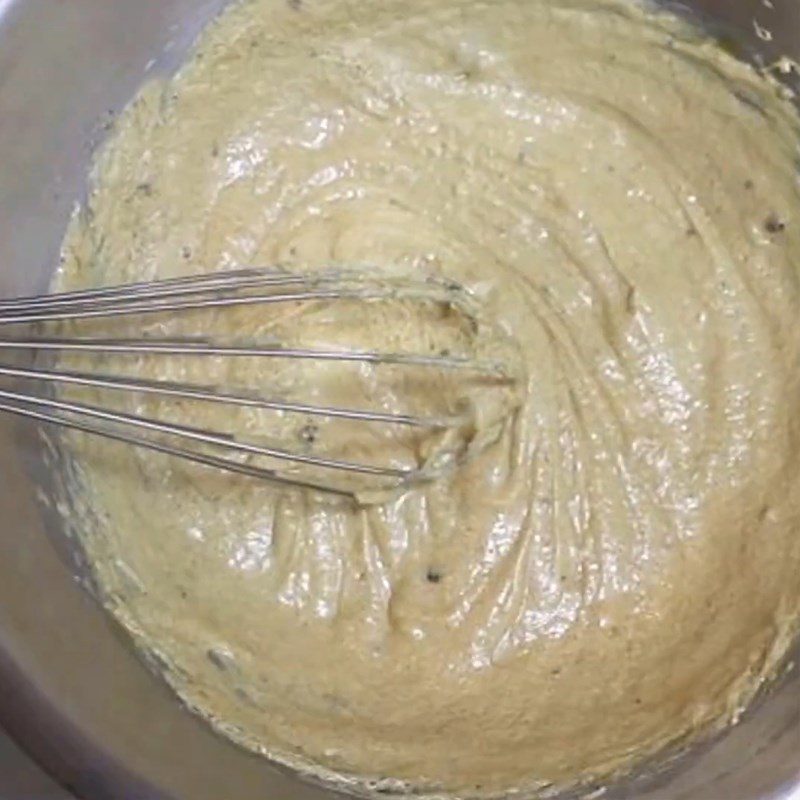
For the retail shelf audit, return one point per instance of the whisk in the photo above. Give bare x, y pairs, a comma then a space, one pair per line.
221, 450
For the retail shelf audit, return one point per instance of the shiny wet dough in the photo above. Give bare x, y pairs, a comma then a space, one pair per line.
618, 572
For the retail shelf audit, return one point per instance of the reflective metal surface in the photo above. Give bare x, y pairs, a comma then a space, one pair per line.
22, 779
71, 689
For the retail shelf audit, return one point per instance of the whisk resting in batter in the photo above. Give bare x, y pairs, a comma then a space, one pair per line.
220, 291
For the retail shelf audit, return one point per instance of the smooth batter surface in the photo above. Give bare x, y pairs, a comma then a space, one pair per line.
617, 569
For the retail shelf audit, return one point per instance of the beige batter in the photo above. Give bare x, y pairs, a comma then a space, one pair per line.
616, 569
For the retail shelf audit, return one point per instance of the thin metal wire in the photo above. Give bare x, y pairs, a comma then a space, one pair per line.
173, 287
200, 436
201, 347
233, 280
207, 393
125, 308
244, 287
225, 464
163, 297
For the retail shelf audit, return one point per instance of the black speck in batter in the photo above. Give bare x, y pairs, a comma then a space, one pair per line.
774, 224
308, 433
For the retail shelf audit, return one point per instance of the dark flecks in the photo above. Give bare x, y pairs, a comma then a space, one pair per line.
214, 150
638, 701
292, 251
691, 231
295, 5
762, 512
145, 188
630, 300
184, 594
434, 576
748, 184
308, 433
556, 671
186, 252
774, 224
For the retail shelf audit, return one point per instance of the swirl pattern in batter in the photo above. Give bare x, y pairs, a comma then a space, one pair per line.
616, 572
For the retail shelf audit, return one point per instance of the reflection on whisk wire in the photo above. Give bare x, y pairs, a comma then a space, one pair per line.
243, 287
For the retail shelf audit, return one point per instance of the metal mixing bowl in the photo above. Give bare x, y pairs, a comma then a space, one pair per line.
72, 691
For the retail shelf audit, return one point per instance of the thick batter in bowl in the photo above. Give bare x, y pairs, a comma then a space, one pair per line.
617, 574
